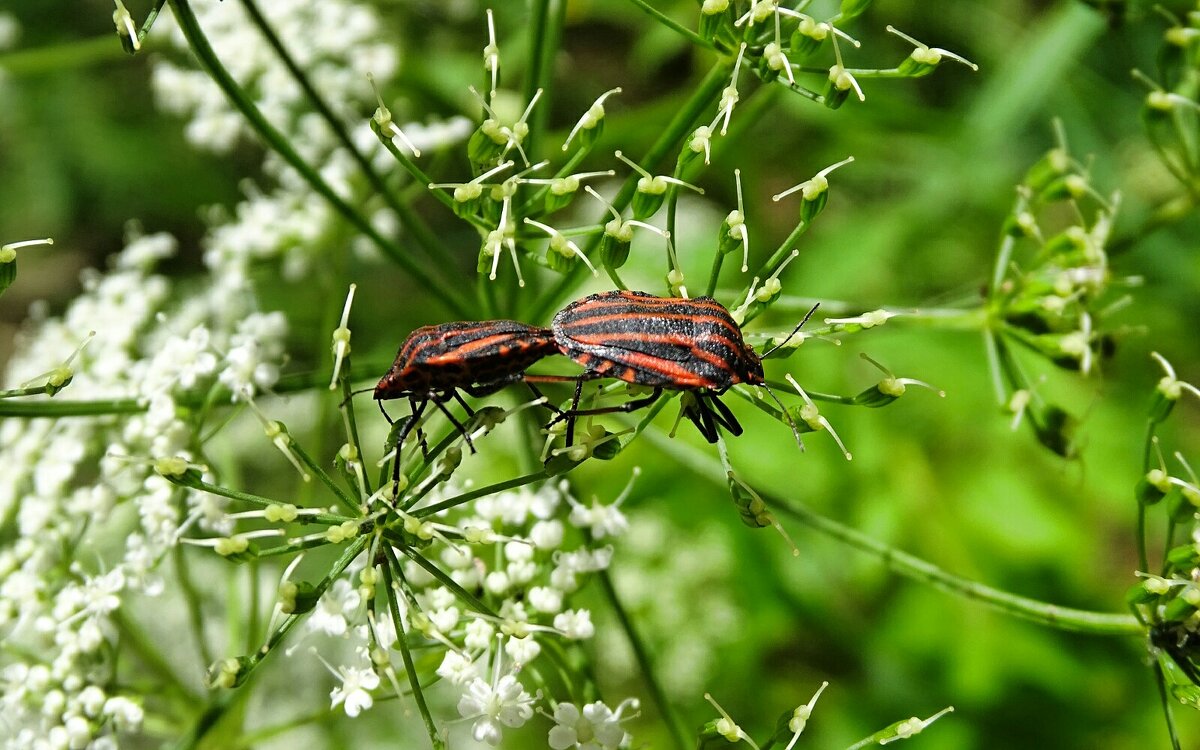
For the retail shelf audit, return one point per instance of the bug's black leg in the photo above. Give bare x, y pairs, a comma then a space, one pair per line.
537, 393
457, 425
625, 408
459, 399
703, 419
384, 413
418, 406
724, 416
573, 414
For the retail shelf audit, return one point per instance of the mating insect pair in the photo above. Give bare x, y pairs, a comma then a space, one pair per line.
665, 343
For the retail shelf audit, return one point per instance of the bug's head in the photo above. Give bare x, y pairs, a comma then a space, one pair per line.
400, 381
750, 367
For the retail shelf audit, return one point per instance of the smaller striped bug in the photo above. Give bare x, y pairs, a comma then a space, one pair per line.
669, 343
478, 357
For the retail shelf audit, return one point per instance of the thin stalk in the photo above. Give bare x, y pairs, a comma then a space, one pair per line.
543, 41
347, 501
467, 598
466, 497
238, 97
132, 635
703, 97
151, 17
672, 720
674, 25
405, 652
408, 218
195, 608
914, 568
56, 409
325, 519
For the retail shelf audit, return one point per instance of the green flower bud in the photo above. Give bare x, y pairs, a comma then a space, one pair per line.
851, 9
651, 192
486, 144
1052, 166
614, 245
298, 598
561, 193
228, 673
714, 14
8, 267
1153, 487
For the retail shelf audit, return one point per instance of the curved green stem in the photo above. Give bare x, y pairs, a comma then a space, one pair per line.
657, 694
56, 409
912, 567
704, 96
238, 97
410, 219
401, 628
490, 489
673, 25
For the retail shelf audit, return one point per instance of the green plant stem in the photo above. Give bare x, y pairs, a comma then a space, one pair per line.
704, 96
401, 628
238, 97
59, 57
148, 24
673, 25
543, 41
348, 502
466, 497
195, 607
912, 567
672, 720
408, 218
56, 409
132, 635
325, 519
433, 570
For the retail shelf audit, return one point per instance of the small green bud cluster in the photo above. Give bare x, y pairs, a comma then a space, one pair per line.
781, 43
1170, 111
1052, 289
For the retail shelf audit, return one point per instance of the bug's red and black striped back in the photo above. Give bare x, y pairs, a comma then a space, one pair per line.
467, 353
657, 341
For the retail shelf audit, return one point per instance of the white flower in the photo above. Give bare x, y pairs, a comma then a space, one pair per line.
329, 616
545, 599
596, 727
479, 634
522, 650
575, 624
355, 690
547, 534
502, 702
603, 520
457, 668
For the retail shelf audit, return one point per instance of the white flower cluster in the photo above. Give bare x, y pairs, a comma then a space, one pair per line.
337, 44
521, 566
62, 480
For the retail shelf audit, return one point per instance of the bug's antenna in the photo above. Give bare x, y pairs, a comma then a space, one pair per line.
352, 394
791, 335
787, 414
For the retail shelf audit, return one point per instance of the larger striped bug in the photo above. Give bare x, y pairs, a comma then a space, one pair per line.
478, 357
668, 343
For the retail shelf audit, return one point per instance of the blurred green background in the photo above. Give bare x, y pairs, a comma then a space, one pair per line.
914, 221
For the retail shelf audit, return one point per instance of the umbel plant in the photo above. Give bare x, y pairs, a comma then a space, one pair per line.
211, 538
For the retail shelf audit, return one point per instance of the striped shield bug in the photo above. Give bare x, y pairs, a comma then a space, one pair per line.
435, 362
667, 343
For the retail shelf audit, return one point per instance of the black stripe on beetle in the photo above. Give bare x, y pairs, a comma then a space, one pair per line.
479, 357
669, 343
